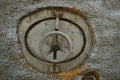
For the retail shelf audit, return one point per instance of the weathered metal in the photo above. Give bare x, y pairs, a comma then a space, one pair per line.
72, 28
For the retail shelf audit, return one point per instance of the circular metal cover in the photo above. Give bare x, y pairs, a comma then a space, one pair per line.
37, 33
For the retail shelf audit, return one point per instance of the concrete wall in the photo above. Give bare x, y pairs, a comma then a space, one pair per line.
104, 15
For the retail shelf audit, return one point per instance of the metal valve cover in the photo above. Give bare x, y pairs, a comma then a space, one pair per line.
37, 36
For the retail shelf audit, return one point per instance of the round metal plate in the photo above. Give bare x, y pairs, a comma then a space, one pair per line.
34, 26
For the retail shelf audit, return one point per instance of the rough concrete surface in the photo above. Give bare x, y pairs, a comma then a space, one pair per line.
104, 15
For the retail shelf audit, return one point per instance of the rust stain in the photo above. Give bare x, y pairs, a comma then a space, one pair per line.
92, 33
91, 73
21, 55
71, 74
26, 65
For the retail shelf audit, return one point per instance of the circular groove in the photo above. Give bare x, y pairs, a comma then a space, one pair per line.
50, 18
